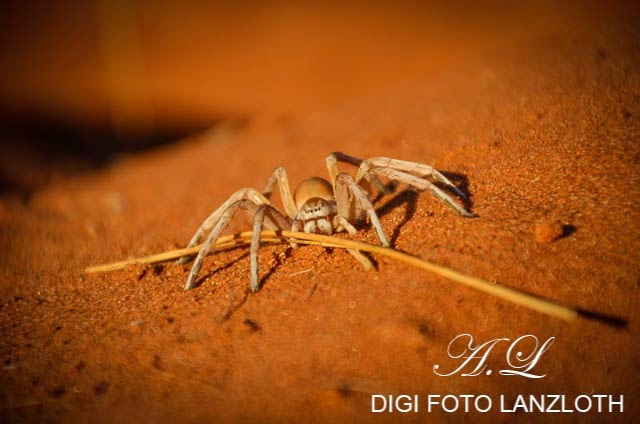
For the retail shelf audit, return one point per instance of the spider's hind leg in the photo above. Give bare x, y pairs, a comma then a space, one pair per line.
423, 184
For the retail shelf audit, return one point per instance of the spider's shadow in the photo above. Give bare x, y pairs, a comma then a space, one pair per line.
462, 182
233, 306
262, 280
409, 197
227, 265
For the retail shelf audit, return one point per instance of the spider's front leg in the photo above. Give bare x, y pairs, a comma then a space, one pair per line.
244, 194
278, 176
259, 207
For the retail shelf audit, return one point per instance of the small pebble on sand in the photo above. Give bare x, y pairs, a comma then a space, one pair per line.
546, 232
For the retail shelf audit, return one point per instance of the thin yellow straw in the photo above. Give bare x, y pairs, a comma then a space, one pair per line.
512, 295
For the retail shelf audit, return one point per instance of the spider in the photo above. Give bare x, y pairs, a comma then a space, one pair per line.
319, 206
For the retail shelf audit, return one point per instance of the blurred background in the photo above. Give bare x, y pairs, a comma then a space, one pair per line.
84, 80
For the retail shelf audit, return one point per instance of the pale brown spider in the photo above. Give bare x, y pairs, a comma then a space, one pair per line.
318, 206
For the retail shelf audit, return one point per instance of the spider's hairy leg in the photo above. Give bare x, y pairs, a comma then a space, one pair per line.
280, 176
421, 169
353, 203
332, 166
246, 193
275, 221
422, 184
335, 157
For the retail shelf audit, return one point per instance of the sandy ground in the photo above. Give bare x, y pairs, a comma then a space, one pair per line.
541, 128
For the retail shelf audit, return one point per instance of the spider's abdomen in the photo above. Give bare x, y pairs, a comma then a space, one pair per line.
313, 187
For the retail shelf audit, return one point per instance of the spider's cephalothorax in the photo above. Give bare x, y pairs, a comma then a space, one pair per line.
318, 205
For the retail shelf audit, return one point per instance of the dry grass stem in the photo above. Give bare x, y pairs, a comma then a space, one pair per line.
274, 237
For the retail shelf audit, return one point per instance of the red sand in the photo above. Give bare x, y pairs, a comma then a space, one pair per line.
539, 128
